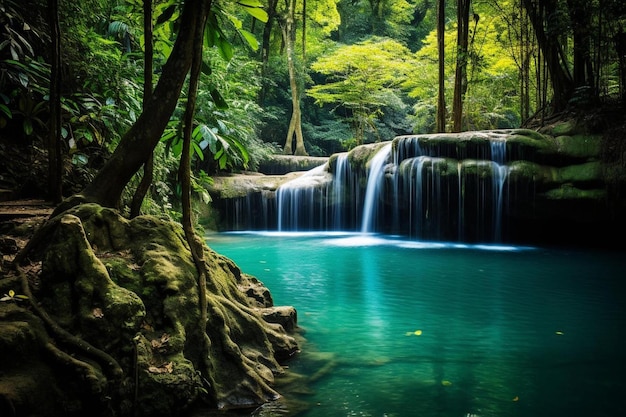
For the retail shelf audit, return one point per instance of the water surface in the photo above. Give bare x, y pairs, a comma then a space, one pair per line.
403, 328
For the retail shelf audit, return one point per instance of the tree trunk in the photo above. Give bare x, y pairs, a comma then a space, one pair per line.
561, 80
148, 166
141, 139
460, 77
55, 159
295, 125
525, 59
184, 174
580, 17
265, 46
441, 100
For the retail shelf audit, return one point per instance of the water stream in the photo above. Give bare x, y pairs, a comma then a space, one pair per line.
404, 328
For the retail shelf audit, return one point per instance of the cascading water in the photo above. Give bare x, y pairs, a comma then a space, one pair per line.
341, 185
375, 182
500, 173
430, 188
300, 202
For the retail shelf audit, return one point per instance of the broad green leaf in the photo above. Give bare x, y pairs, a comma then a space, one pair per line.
166, 15
225, 48
23, 79
257, 13
196, 149
206, 68
5, 109
205, 196
254, 8
250, 38
250, 3
219, 101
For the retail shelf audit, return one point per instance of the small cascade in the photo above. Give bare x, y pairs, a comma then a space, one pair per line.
375, 182
343, 186
301, 202
500, 173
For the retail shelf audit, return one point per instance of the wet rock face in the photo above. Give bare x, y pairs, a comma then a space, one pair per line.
510, 185
129, 290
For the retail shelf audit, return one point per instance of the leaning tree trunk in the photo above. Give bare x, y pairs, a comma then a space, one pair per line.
137, 144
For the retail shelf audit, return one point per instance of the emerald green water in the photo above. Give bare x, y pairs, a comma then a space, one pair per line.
402, 328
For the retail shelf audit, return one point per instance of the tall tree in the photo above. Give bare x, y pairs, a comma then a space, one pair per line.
265, 45
460, 77
55, 158
184, 173
295, 125
148, 167
441, 97
581, 13
542, 15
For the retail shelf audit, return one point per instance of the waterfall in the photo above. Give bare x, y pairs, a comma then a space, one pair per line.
500, 173
300, 201
375, 179
341, 185
429, 187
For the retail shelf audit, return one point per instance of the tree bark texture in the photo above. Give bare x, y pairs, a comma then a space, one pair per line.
55, 160
561, 81
460, 77
295, 125
148, 166
141, 139
441, 100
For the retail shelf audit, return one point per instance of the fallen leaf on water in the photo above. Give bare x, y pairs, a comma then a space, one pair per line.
446, 383
516, 399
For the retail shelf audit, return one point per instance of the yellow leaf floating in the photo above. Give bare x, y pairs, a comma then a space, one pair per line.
417, 333
446, 383
516, 399
559, 333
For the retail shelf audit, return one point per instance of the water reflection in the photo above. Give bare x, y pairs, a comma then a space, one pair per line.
404, 328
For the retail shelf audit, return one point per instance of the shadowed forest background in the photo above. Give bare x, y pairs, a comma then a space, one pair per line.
306, 77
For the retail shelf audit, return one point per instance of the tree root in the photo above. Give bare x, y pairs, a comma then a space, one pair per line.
107, 362
96, 382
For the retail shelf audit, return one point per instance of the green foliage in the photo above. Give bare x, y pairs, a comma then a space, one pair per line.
492, 92
396, 19
328, 137
364, 78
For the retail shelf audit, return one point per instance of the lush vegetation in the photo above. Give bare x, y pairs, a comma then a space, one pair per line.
330, 74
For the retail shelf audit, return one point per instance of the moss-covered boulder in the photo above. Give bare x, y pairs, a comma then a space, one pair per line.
113, 325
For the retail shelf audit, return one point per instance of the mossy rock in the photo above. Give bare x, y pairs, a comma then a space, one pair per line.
129, 289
